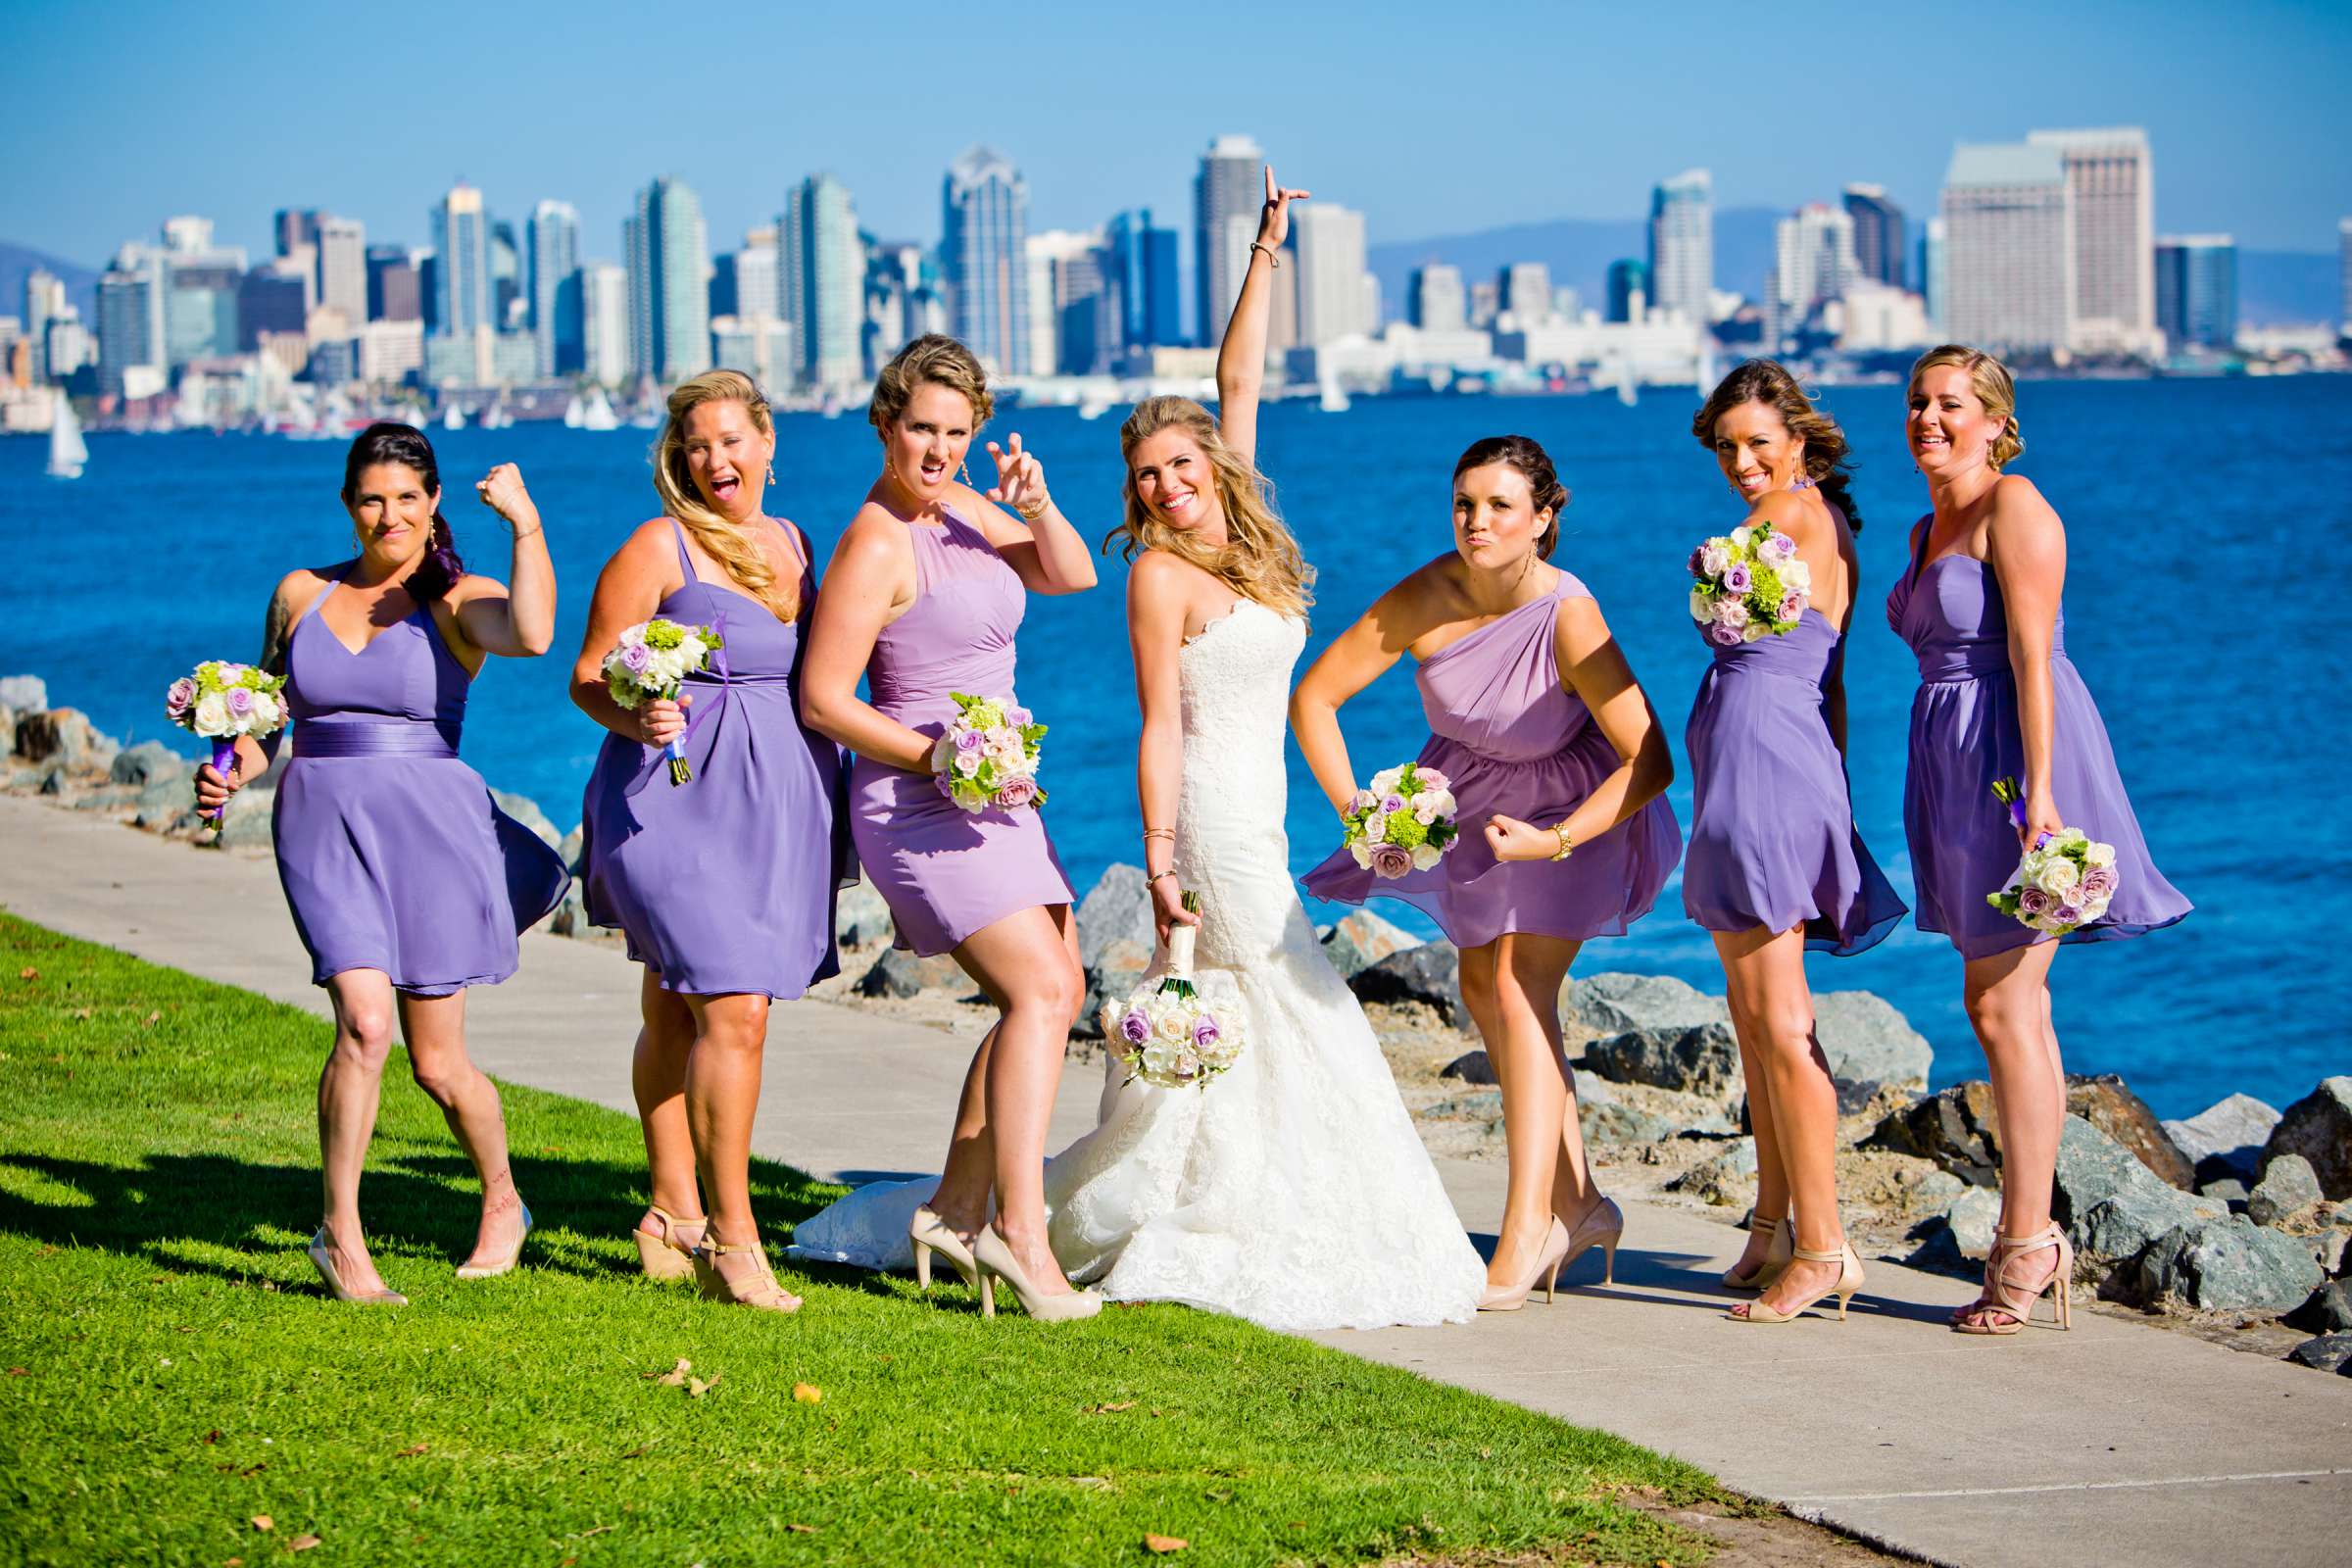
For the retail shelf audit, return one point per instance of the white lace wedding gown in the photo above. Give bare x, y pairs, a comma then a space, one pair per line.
1292, 1190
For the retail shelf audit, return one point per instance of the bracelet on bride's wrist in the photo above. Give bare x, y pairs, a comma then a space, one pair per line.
1271, 256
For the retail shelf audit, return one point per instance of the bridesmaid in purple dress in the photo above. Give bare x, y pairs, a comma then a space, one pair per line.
1535, 718
406, 882
1980, 605
1774, 866
923, 597
723, 885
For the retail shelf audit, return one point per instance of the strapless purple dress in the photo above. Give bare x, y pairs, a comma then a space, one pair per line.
1509, 737
1772, 825
1964, 735
725, 885
391, 851
946, 872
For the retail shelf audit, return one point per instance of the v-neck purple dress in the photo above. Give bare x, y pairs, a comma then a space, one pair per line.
724, 884
1509, 737
1965, 735
391, 851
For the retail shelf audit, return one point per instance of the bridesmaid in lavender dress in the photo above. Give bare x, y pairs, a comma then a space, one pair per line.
923, 597
1774, 866
1980, 605
406, 882
724, 884
1535, 718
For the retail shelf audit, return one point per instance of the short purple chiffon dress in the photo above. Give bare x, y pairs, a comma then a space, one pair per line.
391, 851
1509, 737
1965, 735
944, 871
725, 885
1772, 838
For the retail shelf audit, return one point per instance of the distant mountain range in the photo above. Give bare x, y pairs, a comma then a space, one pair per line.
16, 264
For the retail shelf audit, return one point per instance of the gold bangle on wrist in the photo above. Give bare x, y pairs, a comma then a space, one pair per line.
1567, 841
1261, 245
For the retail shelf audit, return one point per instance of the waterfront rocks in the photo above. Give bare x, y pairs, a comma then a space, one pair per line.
1118, 909
2318, 1127
2114, 1210
246, 824
1956, 1129
900, 973
146, 764
1361, 938
165, 804
24, 694
2288, 1186
1610, 1003
62, 735
2330, 1352
1727, 1181
2105, 1103
522, 808
1610, 1122
1703, 1060
2328, 1311
1118, 968
2227, 1264
2225, 1138
1974, 1218
1470, 1067
1430, 974
1867, 1041
861, 917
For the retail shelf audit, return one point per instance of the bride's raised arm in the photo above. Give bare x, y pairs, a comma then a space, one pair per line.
1241, 359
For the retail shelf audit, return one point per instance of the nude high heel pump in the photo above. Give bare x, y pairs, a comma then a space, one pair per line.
665, 1256
928, 1234
1603, 1226
323, 1258
505, 1264
994, 1260
1848, 1281
1547, 1273
1776, 1256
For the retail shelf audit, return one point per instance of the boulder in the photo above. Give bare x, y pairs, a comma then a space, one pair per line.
146, 764
2318, 1127
1974, 1216
2227, 1264
522, 808
53, 782
2225, 1138
245, 825
1363, 938
1867, 1041
1727, 1181
1118, 968
62, 735
1935, 1189
105, 798
165, 804
2328, 1311
861, 920
2228, 1190
24, 693
1470, 1067
1703, 1061
1118, 909
2330, 1352
2288, 1186
1611, 1003
1481, 1105
2105, 1103
2113, 1208
1612, 1124
900, 973
1956, 1129
1430, 973
2330, 1248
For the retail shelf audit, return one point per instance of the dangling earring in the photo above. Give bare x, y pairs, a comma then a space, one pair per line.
963, 471
771, 473
1801, 482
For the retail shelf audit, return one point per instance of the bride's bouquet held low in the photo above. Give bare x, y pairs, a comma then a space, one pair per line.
1405, 821
2064, 881
222, 701
988, 755
1164, 1033
653, 660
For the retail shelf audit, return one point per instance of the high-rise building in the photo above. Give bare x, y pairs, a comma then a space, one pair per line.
1139, 264
343, 267
1434, 300
461, 299
2112, 182
759, 346
1934, 278
605, 323
131, 323
1525, 291
1681, 243
903, 298
510, 289
293, 228
2197, 290
668, 267
1813, 261
1628, 289
821, 266
1227, 194
392, 286
755, 279
269, 299
984, 246
1330, 244
44, 302
1878, 233
1071, 330
2009, 251
2343, 266
555, 290
200, 292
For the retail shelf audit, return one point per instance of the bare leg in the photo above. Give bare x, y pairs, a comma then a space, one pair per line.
1772, 1176
435, 1030
969, 1177
350, 1087
1512, 988
722, 1095
2008, 1001
1766, 972
658, 1075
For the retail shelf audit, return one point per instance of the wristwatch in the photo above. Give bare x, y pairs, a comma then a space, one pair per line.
1567, 841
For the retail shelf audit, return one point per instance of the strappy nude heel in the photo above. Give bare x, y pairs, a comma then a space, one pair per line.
929, 1234
994, 1260
761, 1292
1776, 1256
1848, 1281
323, 1258
1603, 1226
664, 1257
2014, 1300
1547, 1273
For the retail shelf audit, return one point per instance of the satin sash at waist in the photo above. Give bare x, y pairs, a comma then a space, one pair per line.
320, 739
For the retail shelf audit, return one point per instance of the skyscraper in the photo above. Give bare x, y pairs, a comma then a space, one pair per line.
555, 291
1681, 243
1626, 278
44, 302
462, 264
2112, 182
1878, 233
293, 228
1227, 193
2197, 290
343, 268
1434, 300
1933, 276
669, 266
605, 323
820, 266
984, 245
131, 323
2343, 266
758, 282
1139, 264
1524, 289
392, 284
1330, 244
2009, 252
1813, 261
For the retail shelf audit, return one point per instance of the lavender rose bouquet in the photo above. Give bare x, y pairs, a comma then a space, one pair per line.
2064, 881
652, 660
1750, 585
224, 702
988, 755
1402, 822
1164, 1033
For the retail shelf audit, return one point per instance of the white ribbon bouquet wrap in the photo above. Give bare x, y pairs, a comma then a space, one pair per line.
1165, 1034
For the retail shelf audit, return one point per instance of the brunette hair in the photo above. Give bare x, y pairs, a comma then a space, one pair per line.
726, 542
937, 359
391, 442
1994, 388
1260, 560
1767, 381
1534, 463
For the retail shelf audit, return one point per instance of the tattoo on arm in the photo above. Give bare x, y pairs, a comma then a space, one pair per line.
274, 633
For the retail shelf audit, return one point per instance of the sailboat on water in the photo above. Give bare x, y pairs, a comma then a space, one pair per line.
67, 451
598, 416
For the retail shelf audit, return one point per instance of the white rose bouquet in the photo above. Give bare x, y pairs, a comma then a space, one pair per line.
988, 755
1750, 585
652, 661
2064, 881
224, 702
1403, 822
1164, 1033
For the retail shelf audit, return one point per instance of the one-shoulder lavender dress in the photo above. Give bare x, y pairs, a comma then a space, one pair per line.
391, 851
1772, 838
946, 872
725, 885
1965, 735
1509, 737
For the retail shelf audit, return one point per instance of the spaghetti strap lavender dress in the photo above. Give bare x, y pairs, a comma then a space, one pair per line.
725, 885
1772, 825
1965, 735
391, 851
1509, 737
946, 872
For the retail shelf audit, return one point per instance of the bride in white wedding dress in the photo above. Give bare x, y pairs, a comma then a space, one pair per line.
1292, 1190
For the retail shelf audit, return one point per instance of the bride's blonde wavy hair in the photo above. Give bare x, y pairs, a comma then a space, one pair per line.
1259, 559
733, 546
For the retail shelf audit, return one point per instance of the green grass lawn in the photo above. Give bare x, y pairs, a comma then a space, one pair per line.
170, 1368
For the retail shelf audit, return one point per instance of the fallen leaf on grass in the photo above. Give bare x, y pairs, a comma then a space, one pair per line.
598, 1531
807, 1394
1113, 1409
641, 1451
213, 1436
234, 1562
411, 1452
1089, 1481
153, 1019
82, 1012
262, 1521
696, 1387
301, 1543
254, 1471
675, 1377
28, 972
802, 1530
1165, 1543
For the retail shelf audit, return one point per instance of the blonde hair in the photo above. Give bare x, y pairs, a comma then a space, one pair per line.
933, 360
1994, 388
733, 546
1259, 559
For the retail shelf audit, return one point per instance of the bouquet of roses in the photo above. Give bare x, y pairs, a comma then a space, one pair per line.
222, 701
1164, 1033
988, 755
652, 661
1404, 823
1750, 585
2064, 880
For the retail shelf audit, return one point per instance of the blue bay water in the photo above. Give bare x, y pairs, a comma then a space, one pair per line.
2198, 516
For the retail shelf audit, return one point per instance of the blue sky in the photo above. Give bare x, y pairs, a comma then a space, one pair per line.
113, 116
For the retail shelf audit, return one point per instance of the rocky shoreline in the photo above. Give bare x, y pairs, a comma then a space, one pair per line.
2232, 1224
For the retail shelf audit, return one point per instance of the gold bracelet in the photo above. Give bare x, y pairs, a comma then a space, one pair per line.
1152, 833
1567, 841
1261, 245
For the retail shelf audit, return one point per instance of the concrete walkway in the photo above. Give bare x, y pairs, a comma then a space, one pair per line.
2120, 1442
